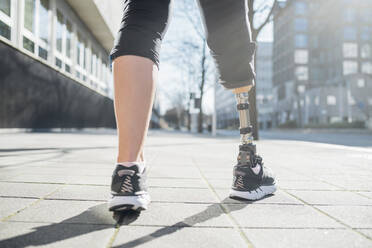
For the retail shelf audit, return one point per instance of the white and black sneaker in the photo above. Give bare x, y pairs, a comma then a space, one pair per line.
128, 188
252, 180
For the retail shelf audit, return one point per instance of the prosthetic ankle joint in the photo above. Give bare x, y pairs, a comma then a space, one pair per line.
247, 150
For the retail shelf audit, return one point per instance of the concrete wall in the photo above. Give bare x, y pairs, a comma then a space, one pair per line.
33, 95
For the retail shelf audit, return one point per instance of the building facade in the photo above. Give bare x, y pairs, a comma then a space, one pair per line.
264, 88
54, 64
322, 62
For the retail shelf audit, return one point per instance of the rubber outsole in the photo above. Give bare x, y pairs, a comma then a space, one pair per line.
123, 203
254, 195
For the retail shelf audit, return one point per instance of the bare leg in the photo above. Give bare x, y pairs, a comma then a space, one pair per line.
134, 86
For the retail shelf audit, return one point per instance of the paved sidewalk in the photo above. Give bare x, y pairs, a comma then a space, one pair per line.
53, 188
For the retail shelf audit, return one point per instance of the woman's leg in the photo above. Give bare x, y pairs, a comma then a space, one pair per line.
135, 57
134, 83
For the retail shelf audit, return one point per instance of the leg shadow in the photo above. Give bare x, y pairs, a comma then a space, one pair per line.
94, 219
212, 211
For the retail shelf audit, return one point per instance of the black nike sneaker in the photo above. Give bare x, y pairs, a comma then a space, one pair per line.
128, 189
252, 180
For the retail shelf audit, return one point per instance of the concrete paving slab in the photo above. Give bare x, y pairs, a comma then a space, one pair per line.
12, 205
367, 232
26, 190
82, 192
176, 183
281, 216
306, 185
306, 238
331, 197
354, 216
57, 211
183, 214
189, 195
278, 198
21, 234
178, 237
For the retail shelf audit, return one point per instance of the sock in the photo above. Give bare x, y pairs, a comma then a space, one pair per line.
141, 165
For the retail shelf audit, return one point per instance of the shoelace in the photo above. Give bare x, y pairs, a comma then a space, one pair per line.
127, 185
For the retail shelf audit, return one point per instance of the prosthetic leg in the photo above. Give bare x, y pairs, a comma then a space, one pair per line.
247, 150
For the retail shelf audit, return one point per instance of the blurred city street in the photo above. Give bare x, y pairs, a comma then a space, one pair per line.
54, 187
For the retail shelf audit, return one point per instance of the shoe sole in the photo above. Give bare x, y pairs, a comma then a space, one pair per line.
123, 203
253, 195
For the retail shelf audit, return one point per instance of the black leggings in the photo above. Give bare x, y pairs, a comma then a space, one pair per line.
145, 22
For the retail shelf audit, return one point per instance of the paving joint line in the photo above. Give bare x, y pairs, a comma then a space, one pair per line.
29, 205
330, 216
224, 208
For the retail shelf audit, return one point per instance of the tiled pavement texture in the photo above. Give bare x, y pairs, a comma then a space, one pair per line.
53, 188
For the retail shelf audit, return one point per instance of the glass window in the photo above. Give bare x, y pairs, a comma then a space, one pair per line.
79, 44
331, 100
44, 20
350, 33
361, 83
301, 41
59, 31
300, 8
365, 51
301, 56
5, 7
300, 24
350, 50
366, 33
29, 15
350, 67
67, 68
68, 38
367, 67
28, 45
58, 63
302, 73
5, 30
43, 53
349, 15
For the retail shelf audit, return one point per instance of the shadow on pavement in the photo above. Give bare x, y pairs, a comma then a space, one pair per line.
212, 211
98, 218
86, 222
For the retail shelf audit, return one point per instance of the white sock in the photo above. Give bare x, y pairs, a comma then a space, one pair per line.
141, 164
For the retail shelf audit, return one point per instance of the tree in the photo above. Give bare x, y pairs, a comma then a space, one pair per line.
261, 12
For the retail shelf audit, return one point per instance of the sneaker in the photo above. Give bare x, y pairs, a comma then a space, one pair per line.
252, 180
128, 189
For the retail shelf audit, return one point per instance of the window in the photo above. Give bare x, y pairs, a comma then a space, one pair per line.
331, 100
5, 7
302, 73
58, 63
44, 20
28, 45
366, 33
300, 24
349, 15
300, 8
59, 31
5, 21
350, 50
301, 56
68, 39
301, 41
29, 15
79, 45
367, 67
361, 83
316, 100
350, 33
365, 51
5, 30
350, 67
